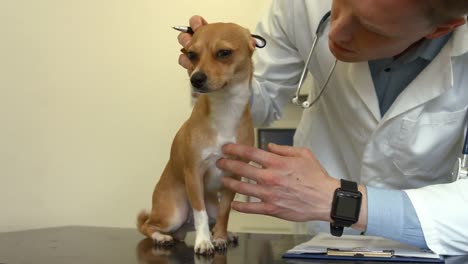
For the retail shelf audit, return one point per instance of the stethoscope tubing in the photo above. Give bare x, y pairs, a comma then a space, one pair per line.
308, 103
306, 66
465, 146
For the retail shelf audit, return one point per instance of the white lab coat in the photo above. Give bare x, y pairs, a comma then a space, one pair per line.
412, 147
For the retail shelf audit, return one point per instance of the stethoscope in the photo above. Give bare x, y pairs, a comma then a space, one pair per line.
460, 169
308, 103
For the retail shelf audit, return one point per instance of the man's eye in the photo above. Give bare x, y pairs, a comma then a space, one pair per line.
192, 55
223, 53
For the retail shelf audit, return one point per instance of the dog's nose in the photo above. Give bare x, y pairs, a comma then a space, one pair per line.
198, 80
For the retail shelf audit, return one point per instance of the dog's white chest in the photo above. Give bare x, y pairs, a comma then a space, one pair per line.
210, 156
227, 109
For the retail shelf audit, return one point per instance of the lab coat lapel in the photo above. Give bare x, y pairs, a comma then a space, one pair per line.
435, 79
360, 76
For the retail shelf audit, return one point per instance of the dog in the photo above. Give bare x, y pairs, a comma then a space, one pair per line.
189, 193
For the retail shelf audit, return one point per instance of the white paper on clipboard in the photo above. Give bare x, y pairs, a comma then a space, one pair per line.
322, 241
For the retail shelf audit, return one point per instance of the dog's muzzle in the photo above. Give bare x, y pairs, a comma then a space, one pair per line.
199, 82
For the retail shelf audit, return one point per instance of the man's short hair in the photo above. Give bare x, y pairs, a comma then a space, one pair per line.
442, 11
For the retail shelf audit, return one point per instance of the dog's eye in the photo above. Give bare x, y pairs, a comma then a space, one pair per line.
192, 55
223, 53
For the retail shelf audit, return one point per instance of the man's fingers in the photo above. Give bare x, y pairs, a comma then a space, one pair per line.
185, 62
196, 22
185, 39
240, 168
244, 188
288, 151
249, 153
250, 208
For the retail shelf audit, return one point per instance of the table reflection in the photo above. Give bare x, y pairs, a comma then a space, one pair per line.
251, 248
97, 245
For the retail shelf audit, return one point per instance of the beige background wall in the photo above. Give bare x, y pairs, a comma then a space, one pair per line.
90, 97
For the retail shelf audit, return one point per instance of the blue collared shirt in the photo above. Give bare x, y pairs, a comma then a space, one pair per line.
390, 212
392, 75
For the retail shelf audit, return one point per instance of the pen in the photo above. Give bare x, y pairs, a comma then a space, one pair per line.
183, 29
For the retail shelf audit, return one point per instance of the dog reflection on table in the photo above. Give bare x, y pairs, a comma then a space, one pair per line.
189, 193
178, 253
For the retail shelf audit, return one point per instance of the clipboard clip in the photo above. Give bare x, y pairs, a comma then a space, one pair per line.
360, 252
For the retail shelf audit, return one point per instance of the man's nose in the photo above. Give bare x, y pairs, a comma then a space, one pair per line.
342, 29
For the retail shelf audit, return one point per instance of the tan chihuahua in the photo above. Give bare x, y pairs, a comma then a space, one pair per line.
189, 193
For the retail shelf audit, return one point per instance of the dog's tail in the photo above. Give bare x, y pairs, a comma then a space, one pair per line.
142, 218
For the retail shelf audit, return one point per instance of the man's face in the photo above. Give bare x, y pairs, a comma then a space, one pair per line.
363, 30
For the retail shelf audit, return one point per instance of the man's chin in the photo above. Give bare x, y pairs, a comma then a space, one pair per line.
349, 57
343, 58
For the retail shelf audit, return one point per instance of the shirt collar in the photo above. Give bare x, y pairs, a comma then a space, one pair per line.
426, 49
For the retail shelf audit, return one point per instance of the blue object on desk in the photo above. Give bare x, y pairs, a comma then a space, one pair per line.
279, 136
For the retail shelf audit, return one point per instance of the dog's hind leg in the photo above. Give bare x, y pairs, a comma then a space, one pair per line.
170, 211
146, 228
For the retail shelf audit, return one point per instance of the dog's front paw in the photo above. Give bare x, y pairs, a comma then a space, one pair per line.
233, 238
204, 247
220, 243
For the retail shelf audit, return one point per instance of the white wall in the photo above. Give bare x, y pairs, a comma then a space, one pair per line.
90, 97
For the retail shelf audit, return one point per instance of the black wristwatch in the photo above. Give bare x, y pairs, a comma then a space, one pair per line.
346, 207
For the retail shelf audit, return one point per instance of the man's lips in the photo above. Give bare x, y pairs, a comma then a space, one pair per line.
340, 48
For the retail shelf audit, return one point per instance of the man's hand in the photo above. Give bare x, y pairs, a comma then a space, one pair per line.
185, 39
291, 184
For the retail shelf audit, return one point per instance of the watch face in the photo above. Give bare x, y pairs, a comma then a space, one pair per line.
346, 206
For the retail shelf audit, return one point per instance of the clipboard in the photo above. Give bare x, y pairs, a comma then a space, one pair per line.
360, 248
370, 256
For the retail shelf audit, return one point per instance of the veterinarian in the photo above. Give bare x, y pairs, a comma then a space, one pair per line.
391, 121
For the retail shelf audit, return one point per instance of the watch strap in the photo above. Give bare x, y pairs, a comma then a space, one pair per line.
336, 230
349, 186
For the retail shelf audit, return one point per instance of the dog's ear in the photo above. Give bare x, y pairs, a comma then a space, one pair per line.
259, 41
252, 44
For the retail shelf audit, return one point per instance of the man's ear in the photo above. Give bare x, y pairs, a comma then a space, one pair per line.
446, 28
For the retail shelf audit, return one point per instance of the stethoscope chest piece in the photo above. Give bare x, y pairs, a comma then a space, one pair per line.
460, 169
